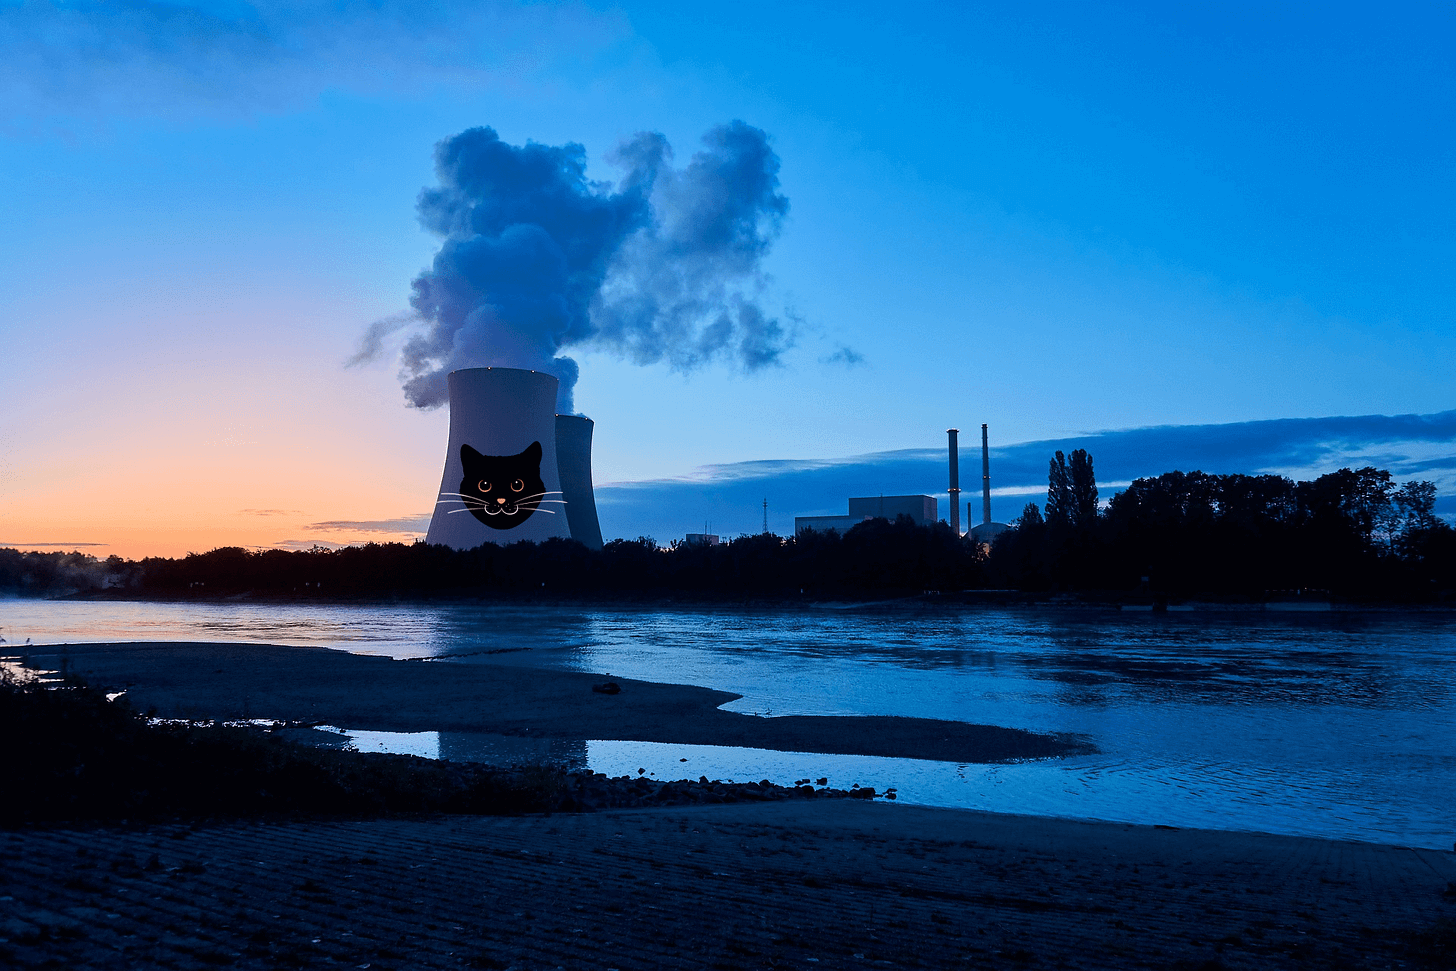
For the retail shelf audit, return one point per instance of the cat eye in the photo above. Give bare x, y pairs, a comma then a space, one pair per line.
483, 486
517, 485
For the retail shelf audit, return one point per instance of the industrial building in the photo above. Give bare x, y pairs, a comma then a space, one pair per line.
924, 510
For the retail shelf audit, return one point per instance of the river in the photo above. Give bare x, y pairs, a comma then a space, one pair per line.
1338, 724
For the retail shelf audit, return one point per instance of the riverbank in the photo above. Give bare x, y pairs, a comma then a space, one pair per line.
822, 885
1275, 601
319, 685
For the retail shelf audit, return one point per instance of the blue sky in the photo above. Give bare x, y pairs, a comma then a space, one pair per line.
1060, 219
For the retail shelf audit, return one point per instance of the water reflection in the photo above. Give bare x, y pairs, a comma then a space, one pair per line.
512, 750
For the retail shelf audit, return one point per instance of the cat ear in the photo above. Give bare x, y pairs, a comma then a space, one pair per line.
468, 455
533, 452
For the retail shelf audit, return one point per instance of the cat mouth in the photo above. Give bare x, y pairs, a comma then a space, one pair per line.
499, 513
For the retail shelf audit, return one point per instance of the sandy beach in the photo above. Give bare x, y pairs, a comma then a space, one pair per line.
232, 681
811, 884
819, 885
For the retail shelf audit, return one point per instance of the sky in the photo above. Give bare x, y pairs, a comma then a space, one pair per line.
1172, 233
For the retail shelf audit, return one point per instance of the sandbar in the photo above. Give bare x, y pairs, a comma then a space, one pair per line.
320, 685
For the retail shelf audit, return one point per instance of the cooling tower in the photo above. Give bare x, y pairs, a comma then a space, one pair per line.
501, 482
573, 462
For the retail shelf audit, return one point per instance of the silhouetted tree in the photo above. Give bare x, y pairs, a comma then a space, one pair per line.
1059, 493
1020, 556
1083, 490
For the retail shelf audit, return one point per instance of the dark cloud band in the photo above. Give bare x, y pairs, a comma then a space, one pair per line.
729, 496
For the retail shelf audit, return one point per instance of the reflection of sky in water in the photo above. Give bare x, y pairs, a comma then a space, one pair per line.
1337, 723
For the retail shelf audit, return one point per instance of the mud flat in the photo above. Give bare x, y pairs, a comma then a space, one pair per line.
233, 681
821, 885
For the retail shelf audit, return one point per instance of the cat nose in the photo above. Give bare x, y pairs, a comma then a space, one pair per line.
501, 501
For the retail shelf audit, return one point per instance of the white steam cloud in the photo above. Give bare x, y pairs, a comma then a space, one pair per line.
665, 265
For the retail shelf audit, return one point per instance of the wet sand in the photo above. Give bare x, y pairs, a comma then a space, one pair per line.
233, 681
784, 885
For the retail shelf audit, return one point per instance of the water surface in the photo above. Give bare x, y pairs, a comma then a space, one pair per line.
1338, 724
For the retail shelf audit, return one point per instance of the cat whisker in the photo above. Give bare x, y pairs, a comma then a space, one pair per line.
549, 512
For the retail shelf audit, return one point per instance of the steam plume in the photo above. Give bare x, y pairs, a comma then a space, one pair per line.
537, 258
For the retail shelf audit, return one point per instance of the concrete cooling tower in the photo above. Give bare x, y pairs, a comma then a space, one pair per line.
573, 466
501, 482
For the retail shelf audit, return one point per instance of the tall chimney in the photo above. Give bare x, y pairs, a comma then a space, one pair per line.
985, 476
955, 480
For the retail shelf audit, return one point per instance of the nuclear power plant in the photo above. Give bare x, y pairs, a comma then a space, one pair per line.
514, 469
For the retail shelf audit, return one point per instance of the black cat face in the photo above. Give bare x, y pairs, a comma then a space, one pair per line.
502, 491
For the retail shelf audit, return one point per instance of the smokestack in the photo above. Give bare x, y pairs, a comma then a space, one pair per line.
985, 476
573, 462
501, 483
955, 480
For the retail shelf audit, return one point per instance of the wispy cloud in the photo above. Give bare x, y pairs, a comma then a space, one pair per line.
270, 512
844, 357
404, 524
36, 546
140, 59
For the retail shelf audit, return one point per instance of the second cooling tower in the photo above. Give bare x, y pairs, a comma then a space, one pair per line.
573, 464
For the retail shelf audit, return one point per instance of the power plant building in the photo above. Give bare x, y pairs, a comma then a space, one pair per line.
924, 510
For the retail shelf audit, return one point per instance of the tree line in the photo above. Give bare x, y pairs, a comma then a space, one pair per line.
1352, 534
874, 558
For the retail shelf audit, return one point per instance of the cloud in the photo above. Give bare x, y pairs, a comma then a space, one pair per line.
730, 496
151, 59
404, 524
682, 287
63, 546
844, 356
270, 512
536, 258
371, 344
